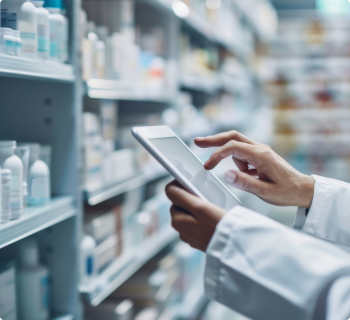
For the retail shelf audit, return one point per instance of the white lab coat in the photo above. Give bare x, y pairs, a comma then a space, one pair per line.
267, 271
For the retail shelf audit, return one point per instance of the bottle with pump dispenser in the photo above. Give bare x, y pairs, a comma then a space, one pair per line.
39, 179
32, 283
8, 160
27, 25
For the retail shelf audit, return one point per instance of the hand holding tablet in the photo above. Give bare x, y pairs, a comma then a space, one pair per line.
184, 166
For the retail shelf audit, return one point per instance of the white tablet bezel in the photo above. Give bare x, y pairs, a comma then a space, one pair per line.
143, 134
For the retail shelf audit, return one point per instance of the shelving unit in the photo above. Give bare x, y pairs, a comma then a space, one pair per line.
125, 266
117, 90
36, 219
44, 102
17, 67
96, 196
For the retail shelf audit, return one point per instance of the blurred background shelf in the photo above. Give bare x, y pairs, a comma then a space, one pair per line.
36, 219
118, 90
125, 266
201, 84
94, 196
18, 67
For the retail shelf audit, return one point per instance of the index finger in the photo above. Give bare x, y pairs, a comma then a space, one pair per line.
220, 139
239, 150
185, 200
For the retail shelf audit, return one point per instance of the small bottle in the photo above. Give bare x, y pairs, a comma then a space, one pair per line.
33, 283
5, 195
8, 160
42, 30
23, 152
8, 42
27, 25
18, 43
39, 180
63, 55
87, 259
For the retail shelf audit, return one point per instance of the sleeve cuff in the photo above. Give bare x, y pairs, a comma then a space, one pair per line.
216, 247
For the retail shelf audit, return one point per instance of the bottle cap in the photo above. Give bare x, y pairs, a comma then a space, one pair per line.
28, 252
38, 4
53, 4
8, 144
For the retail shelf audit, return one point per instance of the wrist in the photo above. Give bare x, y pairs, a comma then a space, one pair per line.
307, 192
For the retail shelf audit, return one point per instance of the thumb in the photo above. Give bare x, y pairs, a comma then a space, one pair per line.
245, 182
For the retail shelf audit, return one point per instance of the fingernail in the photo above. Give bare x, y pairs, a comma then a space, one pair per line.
230, 177
199, 138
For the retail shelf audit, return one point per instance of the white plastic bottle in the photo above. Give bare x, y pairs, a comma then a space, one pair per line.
18, 43
39, 181
87, 259
9, 42
42, 16
63, 55
5, 195
8, 160
27, 25
56, 21
33, 283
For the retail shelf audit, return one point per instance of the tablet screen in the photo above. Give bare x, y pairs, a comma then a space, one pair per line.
211, 188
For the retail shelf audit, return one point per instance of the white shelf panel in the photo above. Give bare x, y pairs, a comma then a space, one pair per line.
125, 266
98, 195
35, 69
118, 90
36, 219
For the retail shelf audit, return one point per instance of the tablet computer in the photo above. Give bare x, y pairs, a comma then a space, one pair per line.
184, 165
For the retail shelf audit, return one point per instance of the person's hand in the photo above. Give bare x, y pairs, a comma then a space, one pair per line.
271, 178
195, 219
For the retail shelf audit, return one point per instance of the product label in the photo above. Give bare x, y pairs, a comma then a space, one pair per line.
89, 265
9, 45
43, 38
28, 42
39, 189
45, 292
15, 195
8, 19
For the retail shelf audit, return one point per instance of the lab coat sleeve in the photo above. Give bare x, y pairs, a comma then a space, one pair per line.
265, 270
329, 215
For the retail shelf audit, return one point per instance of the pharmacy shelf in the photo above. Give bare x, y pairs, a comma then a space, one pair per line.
204, 28
36, 219
193, 303
125, 266
118, 90
201, 84
98, 195
201, 26
18, 67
